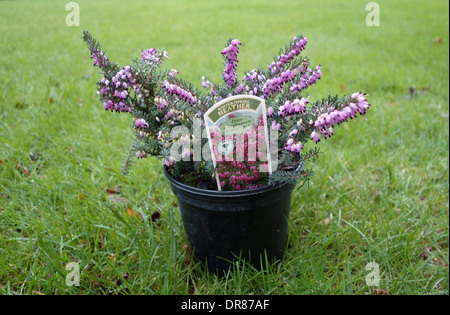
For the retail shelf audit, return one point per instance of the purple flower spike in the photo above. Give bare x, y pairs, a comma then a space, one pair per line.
180, 92
307, 79
325, 122
298, 44
99, 57
230, 54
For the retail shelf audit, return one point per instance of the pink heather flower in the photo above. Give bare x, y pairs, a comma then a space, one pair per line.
292, 107
185, 154
361, 102
160, 103
235, 42
168, 161
275, 125
99, 58
293, 146
140, 154
172, 73
293, 132
141, 123
315, 136
123, 94
206, 83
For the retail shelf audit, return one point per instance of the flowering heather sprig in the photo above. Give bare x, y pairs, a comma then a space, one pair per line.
152, 55
238, 90
254, 81
115, 93
99, 57
179, 91
276, 84
307, 79
294, 107
255, 76
294, 50
325, 122
230, 54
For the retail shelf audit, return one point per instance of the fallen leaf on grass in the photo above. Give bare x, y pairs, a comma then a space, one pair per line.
23, 169
132, 214
113, 190
188, 254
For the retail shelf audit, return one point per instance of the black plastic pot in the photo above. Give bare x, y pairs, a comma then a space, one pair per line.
222, 225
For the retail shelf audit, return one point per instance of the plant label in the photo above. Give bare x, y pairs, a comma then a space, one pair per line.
237, 133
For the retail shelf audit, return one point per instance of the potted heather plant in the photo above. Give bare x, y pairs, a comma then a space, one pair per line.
232, 152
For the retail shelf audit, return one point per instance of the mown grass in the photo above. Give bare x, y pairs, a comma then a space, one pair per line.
379, 193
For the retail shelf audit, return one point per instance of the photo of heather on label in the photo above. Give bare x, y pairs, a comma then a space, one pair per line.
239, 143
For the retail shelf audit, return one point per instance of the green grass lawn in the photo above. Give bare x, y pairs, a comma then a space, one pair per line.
380, 192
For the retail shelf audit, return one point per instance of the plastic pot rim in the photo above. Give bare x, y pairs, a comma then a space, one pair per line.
224, 194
